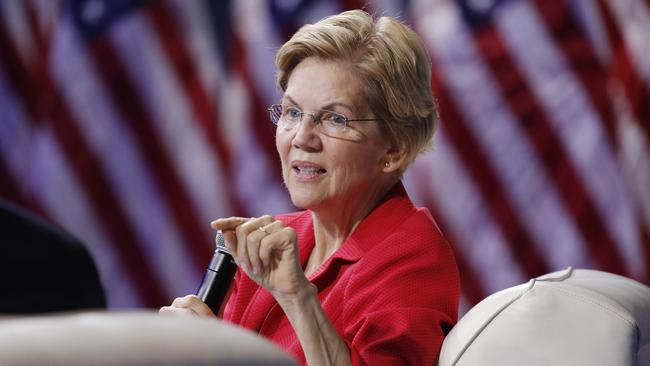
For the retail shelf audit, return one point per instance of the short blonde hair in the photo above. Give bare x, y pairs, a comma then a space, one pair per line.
393, 66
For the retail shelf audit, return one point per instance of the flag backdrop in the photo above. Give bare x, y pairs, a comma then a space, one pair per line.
133, 124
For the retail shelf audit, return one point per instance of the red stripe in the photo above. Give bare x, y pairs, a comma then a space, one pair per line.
521, 244
471, 286
582, 60
204, 109
49, 106
550, 150
130, 106
623, 70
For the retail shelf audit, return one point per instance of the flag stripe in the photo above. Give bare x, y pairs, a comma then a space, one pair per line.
581, 59
86, 167
129, 103
204, 109
624, 71
549, 148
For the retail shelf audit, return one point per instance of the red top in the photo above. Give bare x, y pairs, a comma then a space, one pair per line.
391, 291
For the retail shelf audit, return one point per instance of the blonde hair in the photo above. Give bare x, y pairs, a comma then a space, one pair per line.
391, 62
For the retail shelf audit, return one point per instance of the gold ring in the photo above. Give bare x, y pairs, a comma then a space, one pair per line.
261, 228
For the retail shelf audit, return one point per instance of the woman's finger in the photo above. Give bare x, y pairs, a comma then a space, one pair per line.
188, 304
266, 244
244, 243
229, 223
253, 243
165, 310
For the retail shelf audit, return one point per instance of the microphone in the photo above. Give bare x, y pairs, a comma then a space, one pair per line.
218, 276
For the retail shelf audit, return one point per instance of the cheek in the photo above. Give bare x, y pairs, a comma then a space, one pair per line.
282, 143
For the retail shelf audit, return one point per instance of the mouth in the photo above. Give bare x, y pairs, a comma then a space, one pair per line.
307, 170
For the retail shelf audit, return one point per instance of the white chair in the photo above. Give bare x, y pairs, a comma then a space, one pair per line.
133, 338
571, 317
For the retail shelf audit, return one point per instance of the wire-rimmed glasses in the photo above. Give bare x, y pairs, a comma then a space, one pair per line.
330, 123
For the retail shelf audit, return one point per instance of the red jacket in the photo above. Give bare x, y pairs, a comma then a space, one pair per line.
391, 291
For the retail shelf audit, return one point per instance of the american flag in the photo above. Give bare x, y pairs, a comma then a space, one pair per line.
133, 124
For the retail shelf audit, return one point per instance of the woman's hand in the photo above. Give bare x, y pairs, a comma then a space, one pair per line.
267, 251
188, 305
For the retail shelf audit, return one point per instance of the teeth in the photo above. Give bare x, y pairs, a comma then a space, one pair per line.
308, 170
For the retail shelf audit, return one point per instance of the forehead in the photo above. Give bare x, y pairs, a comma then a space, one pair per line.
317, 84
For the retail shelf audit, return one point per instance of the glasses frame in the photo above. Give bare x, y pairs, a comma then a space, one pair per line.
277, 109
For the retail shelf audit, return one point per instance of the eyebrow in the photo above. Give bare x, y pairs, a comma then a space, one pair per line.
327, 106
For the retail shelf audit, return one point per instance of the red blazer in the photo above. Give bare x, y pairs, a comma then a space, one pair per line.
391, 291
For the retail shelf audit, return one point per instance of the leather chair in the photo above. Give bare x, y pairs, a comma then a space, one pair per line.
571, 317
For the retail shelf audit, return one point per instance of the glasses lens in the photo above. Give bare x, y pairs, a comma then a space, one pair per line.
275, 112
332, 122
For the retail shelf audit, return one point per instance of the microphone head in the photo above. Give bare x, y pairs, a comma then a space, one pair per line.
220, 240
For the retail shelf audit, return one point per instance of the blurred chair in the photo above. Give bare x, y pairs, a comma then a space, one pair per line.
132, 338
42, 268
571, 317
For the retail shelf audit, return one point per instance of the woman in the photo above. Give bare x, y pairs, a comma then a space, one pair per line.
360, 276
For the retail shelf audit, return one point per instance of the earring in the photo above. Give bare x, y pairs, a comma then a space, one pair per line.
386, 164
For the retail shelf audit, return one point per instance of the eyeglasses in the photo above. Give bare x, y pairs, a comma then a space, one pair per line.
330, 123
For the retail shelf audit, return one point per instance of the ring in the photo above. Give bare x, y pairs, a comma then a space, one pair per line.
261, 228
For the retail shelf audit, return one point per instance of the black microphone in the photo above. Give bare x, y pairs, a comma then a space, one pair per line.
218, 276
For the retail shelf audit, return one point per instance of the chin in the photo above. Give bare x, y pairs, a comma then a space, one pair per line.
301, 201
304, 198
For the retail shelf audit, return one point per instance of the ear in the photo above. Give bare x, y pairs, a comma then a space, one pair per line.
395, 158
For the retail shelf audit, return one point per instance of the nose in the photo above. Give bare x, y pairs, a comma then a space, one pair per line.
305, 136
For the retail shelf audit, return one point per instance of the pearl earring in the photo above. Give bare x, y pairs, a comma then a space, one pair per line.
386, 164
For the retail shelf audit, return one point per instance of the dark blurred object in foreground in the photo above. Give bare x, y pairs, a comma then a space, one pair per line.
42, 268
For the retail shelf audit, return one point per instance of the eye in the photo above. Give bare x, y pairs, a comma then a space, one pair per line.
335, 119
291, 113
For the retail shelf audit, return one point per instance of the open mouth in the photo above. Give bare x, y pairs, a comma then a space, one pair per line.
307, 170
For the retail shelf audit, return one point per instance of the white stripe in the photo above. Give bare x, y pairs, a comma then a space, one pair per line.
502, 139
113, 145
578, 126
173, 118
633, 19
467, 215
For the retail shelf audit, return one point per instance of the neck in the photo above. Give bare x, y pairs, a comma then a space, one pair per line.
333, 224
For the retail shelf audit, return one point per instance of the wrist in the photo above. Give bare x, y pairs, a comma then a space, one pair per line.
298, 298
